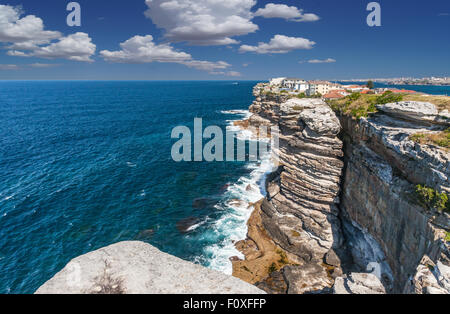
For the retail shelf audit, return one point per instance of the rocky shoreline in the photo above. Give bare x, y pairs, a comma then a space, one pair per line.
338, 216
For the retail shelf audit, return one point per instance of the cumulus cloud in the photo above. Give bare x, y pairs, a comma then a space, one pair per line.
27, 37
77, 47
283, 11
142, 49
14, 29
329, 60
202, 22
279, 44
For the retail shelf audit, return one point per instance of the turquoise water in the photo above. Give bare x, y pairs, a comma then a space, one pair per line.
87, 164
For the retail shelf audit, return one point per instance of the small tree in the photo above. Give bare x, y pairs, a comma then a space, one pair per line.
370, 85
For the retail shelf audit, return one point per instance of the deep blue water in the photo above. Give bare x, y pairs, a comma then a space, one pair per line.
87, 164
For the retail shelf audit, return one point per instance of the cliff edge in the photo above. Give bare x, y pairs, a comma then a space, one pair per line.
139, 268
358, 205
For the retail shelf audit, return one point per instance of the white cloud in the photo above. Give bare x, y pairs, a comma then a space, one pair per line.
206, 65
329, 60
43, 65
27, 38
279, 44
202, 22
14, 29
77, 47
8, 67
283, 11
142, 49
233, 73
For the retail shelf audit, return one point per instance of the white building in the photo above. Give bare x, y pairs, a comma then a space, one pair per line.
321, 87
295, 84
276, 81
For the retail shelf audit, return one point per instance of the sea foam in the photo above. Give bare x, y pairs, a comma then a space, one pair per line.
236, 205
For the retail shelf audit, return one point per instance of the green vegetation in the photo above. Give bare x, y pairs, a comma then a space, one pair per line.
388, 97
431, 199
359, 105
447, 236
370, 85
272, 268
283, 258
441, 139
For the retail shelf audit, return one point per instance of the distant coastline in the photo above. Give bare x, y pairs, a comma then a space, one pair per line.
427, 89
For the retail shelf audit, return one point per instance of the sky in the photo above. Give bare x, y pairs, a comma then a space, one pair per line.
223, 40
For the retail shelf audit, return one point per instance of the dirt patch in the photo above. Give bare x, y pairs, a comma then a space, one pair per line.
263, 257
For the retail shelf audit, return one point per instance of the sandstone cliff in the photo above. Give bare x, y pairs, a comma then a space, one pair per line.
340, 206
383, 166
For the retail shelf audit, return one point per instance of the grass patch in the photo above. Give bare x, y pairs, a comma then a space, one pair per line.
360, 106
431, 199
447, 236
441, 139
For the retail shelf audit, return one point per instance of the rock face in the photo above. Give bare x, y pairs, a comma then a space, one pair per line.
359, 283
139, 268
411, 110
430, 278
382, 168
341, 200
301, 210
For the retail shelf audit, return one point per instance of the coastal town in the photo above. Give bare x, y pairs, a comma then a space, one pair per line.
325, 89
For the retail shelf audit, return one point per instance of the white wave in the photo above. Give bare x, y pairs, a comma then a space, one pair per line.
233, 224
131, 165
245, 113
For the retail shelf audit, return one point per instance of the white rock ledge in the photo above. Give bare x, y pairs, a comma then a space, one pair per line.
139, 268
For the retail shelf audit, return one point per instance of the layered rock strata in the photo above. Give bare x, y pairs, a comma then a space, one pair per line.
341, 205
383, 166
300, 212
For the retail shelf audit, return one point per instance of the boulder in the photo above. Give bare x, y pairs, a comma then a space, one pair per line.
411, 110
358, 283
139, 268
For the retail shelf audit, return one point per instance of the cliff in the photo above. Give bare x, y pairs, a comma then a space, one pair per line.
383, 167
342, 206
139, 268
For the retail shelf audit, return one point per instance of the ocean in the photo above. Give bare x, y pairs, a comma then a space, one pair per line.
87, 164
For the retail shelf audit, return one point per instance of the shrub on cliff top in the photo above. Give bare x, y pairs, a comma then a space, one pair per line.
441, 139
431, 199
388, 97
359, 105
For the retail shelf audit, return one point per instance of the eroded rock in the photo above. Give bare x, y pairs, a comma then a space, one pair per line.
139, 268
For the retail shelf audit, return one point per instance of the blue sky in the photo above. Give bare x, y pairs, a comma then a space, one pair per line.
220, 40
